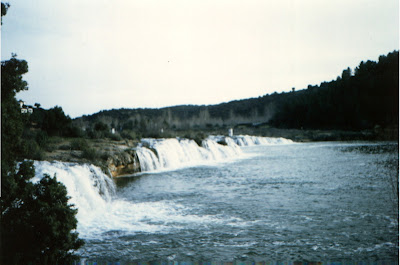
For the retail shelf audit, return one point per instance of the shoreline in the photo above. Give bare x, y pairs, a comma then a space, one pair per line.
118, 158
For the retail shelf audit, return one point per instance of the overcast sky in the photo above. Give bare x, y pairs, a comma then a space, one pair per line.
90, 55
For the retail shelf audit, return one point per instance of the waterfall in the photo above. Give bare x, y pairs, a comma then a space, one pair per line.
247, 140
93, 193
100, 210
89, 188
148, 160
156, 154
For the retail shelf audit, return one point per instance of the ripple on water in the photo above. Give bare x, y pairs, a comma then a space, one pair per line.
317, 201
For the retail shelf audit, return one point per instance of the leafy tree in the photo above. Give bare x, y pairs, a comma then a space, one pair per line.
4, 8
357, 99
143, 126
55, 122
37, 223
368, 98
41, 138
101, 126
11, 118
346, 74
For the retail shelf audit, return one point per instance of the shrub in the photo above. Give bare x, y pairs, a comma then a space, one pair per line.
89, 153
79, 144
104, 156
93, 134
74, 131
32, 150
64, 147
114, 137
100, 126
130, 135
42, 139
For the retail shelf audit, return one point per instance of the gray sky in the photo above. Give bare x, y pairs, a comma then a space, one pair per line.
90, 55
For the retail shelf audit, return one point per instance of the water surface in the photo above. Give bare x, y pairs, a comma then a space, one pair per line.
300, 202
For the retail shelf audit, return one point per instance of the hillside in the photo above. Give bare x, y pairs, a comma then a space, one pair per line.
361, 99
359, 105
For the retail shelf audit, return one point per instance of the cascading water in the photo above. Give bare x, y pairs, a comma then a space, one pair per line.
89, 188
247, 140
100, 210
155, 154
237, 211
148, 160
93, 193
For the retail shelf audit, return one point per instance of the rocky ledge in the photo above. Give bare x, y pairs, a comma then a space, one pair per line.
116, 158
123, 163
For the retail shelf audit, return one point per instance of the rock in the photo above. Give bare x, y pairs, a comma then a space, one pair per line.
116, 158
123, 163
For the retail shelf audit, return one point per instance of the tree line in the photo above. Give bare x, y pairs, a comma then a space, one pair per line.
358, 99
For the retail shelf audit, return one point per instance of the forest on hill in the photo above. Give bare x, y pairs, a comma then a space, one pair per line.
364, 98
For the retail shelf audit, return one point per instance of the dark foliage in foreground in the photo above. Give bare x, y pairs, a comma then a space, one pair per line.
37, 223
36, 220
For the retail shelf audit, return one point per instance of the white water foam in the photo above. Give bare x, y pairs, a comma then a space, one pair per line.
100, 211
89, 188
248, 140
157, 154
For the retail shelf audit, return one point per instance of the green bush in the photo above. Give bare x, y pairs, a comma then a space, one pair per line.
74, 131
42, 139
79, 144
90, 153
104, 156
130, 135
32, 150
64, 147
100, 126
93, 134
114, 137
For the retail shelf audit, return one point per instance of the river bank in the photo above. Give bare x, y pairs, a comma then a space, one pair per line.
300, 135
118, 157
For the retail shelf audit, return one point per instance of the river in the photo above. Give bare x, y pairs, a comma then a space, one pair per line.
324, 201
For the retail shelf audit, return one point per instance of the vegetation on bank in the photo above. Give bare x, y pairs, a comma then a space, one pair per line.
361, 104
38, 225
365, 98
